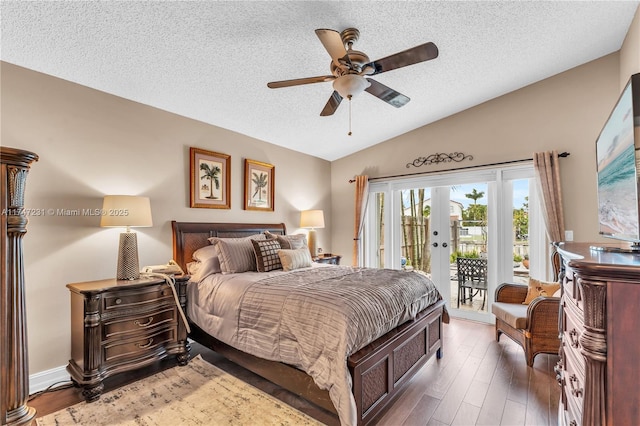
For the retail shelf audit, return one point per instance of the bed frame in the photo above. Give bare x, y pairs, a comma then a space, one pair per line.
379, 370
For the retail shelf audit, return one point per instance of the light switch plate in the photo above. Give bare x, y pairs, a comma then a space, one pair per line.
568, 235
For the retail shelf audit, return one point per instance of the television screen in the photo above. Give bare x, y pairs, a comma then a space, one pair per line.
618, 210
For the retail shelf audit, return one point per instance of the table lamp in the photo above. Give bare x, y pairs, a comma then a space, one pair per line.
312, 219
127, 211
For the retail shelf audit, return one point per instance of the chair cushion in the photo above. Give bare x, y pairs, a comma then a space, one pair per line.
514, 314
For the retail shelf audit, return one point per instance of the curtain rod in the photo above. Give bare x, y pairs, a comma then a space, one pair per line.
561, 155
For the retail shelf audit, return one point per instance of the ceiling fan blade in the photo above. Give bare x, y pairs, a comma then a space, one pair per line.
332, 42
387, 94
417, 54
300, 81
332, 104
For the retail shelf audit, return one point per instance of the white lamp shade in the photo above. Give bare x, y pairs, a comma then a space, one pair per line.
312, 219
125, 211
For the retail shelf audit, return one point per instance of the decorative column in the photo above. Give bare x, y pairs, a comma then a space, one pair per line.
14, 356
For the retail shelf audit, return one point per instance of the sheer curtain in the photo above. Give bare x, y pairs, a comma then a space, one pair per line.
362, 195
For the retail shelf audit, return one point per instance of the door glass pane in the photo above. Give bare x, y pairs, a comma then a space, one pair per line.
414, 219
469, 235
378, 261
521, 230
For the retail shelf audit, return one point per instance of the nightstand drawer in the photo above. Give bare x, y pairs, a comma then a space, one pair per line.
134, 347
121, 326
136, 298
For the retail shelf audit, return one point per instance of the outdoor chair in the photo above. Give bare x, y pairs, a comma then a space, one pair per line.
472, 278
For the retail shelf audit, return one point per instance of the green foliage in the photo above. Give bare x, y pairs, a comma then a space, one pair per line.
517, 257
469, 254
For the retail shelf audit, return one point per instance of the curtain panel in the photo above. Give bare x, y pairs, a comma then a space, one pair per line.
361, 199
547, 168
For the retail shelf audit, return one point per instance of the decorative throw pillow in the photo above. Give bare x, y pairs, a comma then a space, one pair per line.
266, 252
236, 254
289, 242
295, 259
540, 288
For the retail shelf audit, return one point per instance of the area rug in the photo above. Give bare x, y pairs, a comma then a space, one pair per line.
196, 394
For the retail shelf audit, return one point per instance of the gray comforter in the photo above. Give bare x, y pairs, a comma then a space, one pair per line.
314, 318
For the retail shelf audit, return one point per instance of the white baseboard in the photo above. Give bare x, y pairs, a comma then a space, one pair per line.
44, 379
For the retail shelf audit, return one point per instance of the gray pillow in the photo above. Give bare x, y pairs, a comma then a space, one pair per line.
236, 254
289, 242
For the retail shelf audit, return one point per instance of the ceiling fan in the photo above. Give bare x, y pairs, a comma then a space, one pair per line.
351, 69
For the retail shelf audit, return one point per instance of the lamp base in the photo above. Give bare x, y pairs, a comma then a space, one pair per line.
312, 243
128, 265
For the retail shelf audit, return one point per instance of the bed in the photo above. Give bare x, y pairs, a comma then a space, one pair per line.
377, 369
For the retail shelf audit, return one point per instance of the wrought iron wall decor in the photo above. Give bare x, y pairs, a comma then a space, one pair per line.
440, 158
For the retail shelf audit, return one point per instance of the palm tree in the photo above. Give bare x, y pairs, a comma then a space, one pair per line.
475, 196
211, 173
260, 181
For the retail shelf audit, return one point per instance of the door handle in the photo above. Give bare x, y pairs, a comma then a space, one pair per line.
435, 244
444, 245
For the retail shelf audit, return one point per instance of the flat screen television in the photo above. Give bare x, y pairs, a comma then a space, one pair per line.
618, 166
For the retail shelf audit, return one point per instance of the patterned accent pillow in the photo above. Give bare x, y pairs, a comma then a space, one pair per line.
266, 252
289, 242
540, 288
236, 254
295, 259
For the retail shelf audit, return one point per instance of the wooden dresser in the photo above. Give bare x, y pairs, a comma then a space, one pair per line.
599, 367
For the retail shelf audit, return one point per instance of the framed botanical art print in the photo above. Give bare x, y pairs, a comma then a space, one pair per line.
210, 179
259, 185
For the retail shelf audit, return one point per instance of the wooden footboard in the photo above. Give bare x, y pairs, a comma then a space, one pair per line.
381, 369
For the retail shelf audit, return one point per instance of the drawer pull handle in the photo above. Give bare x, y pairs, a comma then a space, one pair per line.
118, 301
573, 336
146, 345
575, 391
139, 324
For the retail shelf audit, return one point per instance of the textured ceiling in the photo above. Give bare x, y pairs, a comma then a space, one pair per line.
211, 61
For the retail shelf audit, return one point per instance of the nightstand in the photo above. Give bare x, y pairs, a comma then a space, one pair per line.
332, 260
122, 325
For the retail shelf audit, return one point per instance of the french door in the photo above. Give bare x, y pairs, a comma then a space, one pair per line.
428, 223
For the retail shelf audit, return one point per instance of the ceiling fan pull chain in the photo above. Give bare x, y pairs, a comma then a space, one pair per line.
349, 97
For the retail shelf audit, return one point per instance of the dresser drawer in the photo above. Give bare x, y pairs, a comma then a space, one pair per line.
136, 299
573, 327
135, 347
123, 325
574, 381
571, 288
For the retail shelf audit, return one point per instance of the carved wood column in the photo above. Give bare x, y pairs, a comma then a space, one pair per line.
14, 357
594, 349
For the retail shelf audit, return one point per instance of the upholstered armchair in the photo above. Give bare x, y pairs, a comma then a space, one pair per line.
533, 326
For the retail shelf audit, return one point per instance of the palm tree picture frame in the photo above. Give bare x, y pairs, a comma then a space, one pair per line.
210, 179
259, 185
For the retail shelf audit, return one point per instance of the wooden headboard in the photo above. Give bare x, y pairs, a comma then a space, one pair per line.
190, 236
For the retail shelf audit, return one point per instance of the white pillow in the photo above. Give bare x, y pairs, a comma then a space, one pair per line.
295, 259
201, 270
205, 253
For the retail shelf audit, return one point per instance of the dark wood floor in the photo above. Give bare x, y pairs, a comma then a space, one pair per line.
477, 382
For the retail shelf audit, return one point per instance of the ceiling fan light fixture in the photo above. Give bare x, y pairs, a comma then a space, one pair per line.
350, 85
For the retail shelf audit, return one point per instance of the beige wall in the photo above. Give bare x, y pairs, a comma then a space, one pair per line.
91, 144
564, 112
630, 51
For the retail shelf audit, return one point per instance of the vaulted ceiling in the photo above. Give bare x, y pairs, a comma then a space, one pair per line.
211, 61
